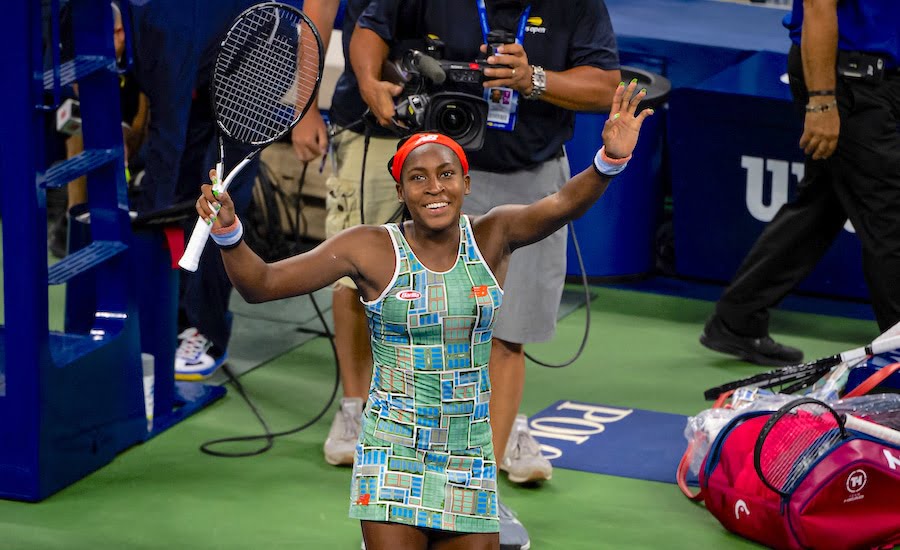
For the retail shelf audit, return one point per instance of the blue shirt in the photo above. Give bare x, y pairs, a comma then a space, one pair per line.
558, 36
871, 26
175, 45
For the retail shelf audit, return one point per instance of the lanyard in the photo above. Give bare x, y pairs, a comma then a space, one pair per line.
485, 28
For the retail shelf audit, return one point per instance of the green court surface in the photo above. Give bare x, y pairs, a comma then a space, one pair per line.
643, 353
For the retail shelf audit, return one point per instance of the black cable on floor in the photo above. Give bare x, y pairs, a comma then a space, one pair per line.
269, 436
587, 305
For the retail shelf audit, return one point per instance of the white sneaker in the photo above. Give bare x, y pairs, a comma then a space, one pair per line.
522, 460
192, 358
513, 535
344, 433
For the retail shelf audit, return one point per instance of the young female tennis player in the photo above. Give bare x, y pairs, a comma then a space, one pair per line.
424, 475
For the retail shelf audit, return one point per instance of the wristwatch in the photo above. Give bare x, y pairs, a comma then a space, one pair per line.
538, 82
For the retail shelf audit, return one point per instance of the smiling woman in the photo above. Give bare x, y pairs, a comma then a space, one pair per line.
424, 473
432, 175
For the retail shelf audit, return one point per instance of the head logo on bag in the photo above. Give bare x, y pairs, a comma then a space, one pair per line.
856, 481
844, 499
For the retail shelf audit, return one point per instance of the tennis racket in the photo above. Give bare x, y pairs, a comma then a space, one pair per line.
267, 72
811, 380
888, 341
798, 434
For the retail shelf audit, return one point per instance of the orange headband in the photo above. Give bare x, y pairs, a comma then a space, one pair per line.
416, 140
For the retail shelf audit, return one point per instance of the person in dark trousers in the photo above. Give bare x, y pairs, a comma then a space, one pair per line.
175, 46
844, 68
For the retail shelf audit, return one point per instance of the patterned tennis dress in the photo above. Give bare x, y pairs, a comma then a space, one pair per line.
425, 456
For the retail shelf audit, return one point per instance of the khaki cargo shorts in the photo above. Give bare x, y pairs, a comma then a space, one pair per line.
379, 192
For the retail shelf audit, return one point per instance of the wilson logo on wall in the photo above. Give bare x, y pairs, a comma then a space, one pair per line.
768, 184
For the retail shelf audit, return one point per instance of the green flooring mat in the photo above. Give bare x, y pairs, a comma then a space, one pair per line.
261, 332
643, 352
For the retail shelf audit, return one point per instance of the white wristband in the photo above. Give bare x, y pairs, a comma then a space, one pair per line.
604, 166
230, 239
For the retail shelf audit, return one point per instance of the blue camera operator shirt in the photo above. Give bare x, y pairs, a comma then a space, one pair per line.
558, 36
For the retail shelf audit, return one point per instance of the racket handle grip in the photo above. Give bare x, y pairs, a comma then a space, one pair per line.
888, 344
883, 432
191, 258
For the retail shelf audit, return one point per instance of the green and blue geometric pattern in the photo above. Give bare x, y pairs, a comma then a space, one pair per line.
425, 456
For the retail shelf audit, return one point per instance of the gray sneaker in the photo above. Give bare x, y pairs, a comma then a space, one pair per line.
344, 432
522, 460
513, 535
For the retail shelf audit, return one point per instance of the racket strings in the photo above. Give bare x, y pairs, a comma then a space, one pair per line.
266, 73
795, 442
309, 66
260, 75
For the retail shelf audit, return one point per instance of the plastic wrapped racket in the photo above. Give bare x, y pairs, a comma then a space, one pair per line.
814, 370
799, 434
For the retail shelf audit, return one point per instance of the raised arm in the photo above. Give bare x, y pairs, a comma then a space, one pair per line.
526, 224
589, 78
309, 137
582, 88
579, 88
368, 52
258, 281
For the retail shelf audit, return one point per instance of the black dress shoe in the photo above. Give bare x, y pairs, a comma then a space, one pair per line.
762, 351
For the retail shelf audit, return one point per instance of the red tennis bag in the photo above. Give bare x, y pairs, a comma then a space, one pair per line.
849, 498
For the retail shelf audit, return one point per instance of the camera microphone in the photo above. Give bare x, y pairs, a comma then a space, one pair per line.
424, 105
429, 67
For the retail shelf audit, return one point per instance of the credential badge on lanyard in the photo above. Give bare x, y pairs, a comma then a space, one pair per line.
503, 103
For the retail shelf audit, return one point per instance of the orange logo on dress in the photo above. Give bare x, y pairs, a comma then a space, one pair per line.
363, 499
479, 291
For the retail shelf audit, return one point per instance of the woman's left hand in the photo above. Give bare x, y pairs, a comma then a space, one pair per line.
620, 133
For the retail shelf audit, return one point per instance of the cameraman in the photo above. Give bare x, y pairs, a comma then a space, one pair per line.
564, 58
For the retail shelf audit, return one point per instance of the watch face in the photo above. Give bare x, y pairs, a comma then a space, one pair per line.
538, 81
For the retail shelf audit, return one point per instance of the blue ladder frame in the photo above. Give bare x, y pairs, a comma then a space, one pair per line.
71, 401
